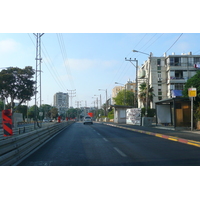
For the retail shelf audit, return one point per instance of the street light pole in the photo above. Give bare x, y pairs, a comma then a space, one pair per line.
106, 102
136, 81
147, 93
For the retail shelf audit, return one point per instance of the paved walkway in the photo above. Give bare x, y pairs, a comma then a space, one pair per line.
183, 136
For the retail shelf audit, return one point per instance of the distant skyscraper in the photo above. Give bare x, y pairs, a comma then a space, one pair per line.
61, 102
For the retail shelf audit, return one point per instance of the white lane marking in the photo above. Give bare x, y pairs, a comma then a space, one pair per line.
120, 152
105, 139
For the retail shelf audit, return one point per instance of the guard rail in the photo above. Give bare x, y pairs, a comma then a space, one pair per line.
14, 148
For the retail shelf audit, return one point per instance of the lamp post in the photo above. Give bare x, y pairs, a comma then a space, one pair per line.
147, 96
106, 101
124, 93
136, 80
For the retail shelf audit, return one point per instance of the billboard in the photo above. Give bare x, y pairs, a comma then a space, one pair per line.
133, 116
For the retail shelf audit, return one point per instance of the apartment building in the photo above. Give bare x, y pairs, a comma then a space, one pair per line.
167, 74
129, 86
61, 102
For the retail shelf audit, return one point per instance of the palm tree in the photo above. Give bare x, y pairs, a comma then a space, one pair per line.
142, 94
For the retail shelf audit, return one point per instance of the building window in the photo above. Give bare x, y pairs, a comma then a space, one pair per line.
158, 67
196, 60
158, 62
159, 92
179, 86
175, 61
159, 98
178, 74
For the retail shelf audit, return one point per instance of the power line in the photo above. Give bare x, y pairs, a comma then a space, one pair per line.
64, 56
174, 42
54, 74
72, 92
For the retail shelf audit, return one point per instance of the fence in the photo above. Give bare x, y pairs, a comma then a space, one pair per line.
14, 148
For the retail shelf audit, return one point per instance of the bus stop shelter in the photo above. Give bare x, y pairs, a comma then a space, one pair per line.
175, 112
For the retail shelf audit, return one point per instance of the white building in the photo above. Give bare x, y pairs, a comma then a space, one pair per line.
167, 74
61, 102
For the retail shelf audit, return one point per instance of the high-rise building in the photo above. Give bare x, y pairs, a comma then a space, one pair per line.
167, 75
61, 102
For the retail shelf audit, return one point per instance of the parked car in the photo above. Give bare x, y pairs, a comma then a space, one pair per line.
87, 120
45, 120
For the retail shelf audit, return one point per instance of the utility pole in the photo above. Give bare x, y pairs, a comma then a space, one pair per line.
136, 81
72, 92
38, 78
106, 111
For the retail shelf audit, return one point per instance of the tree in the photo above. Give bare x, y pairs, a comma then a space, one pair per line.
31, 111
54, 112
124, 98
17, 84
195, 83
46, 109
1, 105
143, 92
22, 109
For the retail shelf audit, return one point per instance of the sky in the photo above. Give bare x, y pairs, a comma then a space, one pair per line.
97, 36
87, 62
85, 44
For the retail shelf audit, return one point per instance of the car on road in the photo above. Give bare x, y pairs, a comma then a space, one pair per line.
87, 120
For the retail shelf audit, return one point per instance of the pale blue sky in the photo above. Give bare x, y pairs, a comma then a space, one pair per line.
89, 61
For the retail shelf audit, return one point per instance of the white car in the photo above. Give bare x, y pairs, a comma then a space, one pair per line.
87, 120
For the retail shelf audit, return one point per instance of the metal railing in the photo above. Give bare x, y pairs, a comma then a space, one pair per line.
14, 148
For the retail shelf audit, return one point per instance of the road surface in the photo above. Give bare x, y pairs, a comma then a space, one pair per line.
101, 145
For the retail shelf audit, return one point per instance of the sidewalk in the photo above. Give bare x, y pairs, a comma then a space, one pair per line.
184, 136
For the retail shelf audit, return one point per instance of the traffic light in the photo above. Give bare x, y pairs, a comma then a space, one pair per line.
7, 122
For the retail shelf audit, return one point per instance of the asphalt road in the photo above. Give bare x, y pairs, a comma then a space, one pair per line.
102, 145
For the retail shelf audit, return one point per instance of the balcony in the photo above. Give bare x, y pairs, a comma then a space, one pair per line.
177, 80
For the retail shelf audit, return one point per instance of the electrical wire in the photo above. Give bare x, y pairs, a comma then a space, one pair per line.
52, 71
154, 41
174, 42
65, 58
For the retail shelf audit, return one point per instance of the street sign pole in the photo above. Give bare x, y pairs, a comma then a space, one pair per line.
192, 99
192, 92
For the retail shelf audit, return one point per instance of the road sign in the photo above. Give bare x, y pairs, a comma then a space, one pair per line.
40, 114
7, 122
192, 92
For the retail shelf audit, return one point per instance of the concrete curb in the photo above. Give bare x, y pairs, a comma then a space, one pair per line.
168, 137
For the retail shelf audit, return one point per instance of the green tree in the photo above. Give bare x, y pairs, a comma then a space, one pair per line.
22, 109
31, 111
1, 105
16, 84
194, 82
72, 113
124, 98
46, 109
54, 112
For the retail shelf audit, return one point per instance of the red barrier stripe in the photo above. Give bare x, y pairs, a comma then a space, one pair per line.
8, 129
6, 118
182, 140
165, 136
